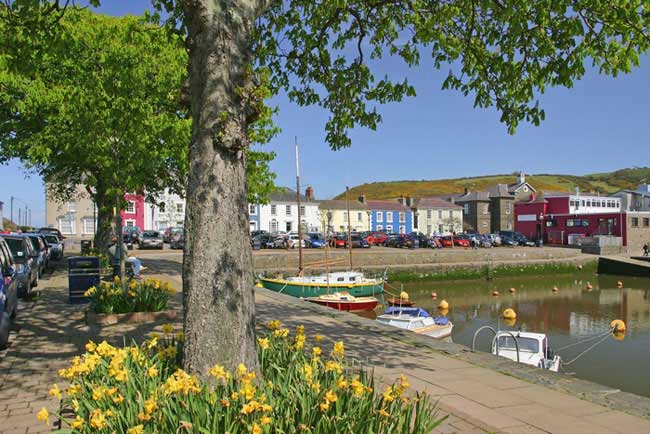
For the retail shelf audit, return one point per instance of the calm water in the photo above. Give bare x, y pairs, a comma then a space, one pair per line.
567, 316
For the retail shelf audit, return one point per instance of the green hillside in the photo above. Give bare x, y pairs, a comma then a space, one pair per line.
597, 182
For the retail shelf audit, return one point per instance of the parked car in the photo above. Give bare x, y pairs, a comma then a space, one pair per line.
8, 293
495, 239
288, 241
462, 241
151, 240
508, 241
338, 241
55, 245
258, 232
402, 241
519, 239
40, 251
316, 240
423, 240
483, 241
377, 238
177, 241
446, 241
54, 231
170, 232
26, 262
131, 236
266, 240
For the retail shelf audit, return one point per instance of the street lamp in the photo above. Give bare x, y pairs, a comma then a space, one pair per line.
369, 220
541, 226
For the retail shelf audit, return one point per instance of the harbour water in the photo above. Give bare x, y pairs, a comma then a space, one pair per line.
567, 316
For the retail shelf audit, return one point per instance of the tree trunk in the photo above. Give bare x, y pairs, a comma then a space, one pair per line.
119, 251
218, 286
103, 231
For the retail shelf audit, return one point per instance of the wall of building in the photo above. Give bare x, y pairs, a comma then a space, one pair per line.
439, 221
390, 221
338, 220
133, 214
502, 214
277, 222
169, 211
638, 231
74, 218
476, 216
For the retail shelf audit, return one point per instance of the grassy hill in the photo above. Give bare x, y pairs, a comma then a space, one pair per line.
597, 182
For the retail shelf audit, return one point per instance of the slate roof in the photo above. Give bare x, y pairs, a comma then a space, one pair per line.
474, 196
434, 202
387, 205
341, 204
516, 185
285, 194
500, 190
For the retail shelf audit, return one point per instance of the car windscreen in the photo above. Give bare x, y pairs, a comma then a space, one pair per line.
35, 245
17, 247
52, 239
150, 234
525, 344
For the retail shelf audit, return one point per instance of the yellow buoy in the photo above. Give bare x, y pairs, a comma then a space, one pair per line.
618, 325
512, 290
619, 284
404, 295
510, 321
495, 293
556, 289
443, 312
619, 336
434, 295
509, 314
259, 285
443, 304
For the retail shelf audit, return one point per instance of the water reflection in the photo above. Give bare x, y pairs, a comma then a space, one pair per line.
567, 316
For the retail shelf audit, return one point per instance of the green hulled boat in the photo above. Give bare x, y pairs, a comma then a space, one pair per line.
353, 282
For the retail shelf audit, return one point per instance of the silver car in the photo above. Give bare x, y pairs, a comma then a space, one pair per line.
151, 240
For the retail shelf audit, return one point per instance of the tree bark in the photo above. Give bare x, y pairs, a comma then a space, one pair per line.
104, 229
218, 286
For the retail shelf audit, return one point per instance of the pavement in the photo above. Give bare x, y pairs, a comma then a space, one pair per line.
479, 392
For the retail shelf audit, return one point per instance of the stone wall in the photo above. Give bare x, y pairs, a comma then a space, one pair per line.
637, 235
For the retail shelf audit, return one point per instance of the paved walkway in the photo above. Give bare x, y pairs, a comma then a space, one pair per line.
50, 332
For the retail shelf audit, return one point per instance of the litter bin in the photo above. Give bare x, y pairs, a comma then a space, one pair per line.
83, 273
86, 245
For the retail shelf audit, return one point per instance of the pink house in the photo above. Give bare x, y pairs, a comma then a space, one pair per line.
133, 212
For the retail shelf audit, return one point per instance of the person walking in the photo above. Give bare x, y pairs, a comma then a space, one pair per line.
646, 249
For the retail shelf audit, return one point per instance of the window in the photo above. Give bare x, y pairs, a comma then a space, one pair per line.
635, 222
441, 229
72, 206
130, 223
466, 208
162, 207
402, 229
345, 216
646, 222
380, 228
89, 226
252, 210
288, 226
429, 213
588, 203
582, 202
439, 213
274, 209
402, 217
179, 207
380, 217
389, 228
273, 226
486, 209
359, 216
429, 229
302, 210
66, 225
130, 207
287, 210
577, 222
389, 217
451, 215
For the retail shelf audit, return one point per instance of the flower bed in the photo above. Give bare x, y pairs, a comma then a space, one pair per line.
149, 295
141, 389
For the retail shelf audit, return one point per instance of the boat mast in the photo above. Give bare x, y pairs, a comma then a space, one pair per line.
347, 204
299, 216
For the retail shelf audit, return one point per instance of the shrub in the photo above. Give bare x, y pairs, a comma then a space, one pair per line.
140, 389
135, 296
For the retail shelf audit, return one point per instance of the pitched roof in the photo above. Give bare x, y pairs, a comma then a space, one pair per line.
285, 194
341, 204
434, 202
517, 185
474, 196
500, 190
387, 205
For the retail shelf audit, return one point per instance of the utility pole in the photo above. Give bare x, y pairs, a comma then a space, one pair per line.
12, 210
19, 216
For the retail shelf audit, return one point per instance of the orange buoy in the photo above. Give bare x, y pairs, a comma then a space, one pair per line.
618, 326
512, 290
555, 289
434, 295
443, 312
495, 293
589, 286
619, 284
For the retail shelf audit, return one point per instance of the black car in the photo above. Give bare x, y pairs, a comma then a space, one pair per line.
8, 293
423, 240
26, 262
131, 236
265, 239
54, 231
177, 241
408, 241
40, 250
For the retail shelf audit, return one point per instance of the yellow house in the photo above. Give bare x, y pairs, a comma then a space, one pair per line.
334, 216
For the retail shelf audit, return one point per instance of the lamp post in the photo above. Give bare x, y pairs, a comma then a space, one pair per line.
541, 226
369, 220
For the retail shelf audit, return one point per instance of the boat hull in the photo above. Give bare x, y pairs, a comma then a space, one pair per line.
304, 290
398, 302
346, 305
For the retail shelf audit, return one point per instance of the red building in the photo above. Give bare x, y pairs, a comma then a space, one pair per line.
133, 213
560, 219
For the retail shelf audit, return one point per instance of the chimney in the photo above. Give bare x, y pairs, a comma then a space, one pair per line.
309, 193
409, 201
362, 198
466, 191
402, 200
522, 177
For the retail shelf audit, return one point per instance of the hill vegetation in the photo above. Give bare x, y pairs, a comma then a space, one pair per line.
602, 183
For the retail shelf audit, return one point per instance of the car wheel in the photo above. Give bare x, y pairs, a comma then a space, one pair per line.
27, 291
5, 326
35, 282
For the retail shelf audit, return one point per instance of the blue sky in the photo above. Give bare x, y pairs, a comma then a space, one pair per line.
599, 125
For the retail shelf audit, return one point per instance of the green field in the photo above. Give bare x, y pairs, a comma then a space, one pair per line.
599, 182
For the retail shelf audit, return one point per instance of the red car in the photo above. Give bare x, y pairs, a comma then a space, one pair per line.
446, 242
461, 242
377, 238
338, 242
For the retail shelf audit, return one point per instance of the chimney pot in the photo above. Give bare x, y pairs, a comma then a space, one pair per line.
309, 193
362, 198
466, 190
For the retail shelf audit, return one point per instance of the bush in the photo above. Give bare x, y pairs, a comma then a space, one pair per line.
135, 296
140, 389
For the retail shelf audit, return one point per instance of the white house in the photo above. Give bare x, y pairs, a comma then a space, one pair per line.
168, 212
281, 213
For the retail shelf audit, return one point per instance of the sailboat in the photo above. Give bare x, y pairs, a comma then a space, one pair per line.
349, 285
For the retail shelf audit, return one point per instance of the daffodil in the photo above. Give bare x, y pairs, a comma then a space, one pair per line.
138, 429
97, 419
167, 328
241, 369
339, 349
225, 403
91, 347
77, 423
324, 406
256, 429
118, 399
274, 325
266, 420
152, 372
300, 330
332, 366
330, 396
44, 416
263, 343
281, 333
316, 351
153, 342
383, 413
388, 394
218, 372
318, 338
55, 391
342, 383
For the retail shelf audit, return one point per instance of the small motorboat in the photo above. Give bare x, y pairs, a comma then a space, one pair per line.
417, 320
399, 302
344, 301
525, 347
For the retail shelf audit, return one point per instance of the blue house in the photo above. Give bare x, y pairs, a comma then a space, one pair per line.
391, 215
253, 217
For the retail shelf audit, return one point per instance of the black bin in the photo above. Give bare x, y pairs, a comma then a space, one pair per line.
83, 272
86, 245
